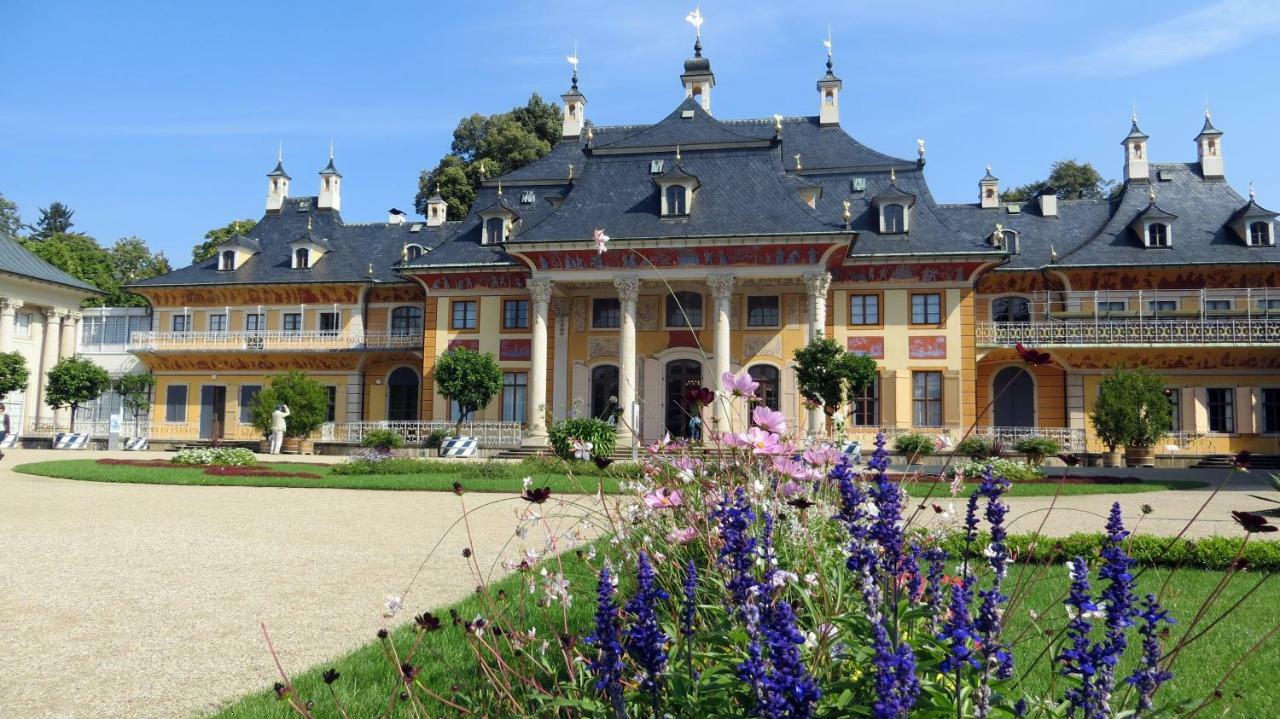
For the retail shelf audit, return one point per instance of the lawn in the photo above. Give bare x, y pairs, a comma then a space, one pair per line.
1049, 487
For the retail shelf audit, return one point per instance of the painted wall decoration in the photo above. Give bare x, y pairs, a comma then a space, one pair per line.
1172, 358
909, 272
1174, 278
647, 314
927, 347
714, 256
1000, 282
872, 347
474, 280
758, 344
515, 350
228, 362
239, 296
473, 345
408, 292
602, 346
682, 338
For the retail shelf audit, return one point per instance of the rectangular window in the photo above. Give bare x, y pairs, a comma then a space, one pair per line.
329, 323
1222, 409
1113, 306
926, 309
1175, 408
926, 398
514, 392
515, 315
464, 315
181, 323
762, 311
254, 322
1217, 305
23, 324
331, 403
1156, 307
175, 403
684, 309
455, 412
1271, 410
139, 323
866, 406
292, 322
217, 323
247, 393
865, 309
1267, 304
606, 313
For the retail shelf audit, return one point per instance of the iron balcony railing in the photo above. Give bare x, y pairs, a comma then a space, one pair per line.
490, 434
1070, 439
1153, 331
269, 341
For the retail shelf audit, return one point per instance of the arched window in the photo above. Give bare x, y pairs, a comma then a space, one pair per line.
1157, 235
894, 218
770, 388
413, 252
1014, 391
493, 231
604, 391
1259, 233
1010, 309
676, 204
301, 258
402, 395
228, 260
684, 309
406, 321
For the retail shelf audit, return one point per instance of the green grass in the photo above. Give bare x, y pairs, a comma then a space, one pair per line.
921, 488
474, 477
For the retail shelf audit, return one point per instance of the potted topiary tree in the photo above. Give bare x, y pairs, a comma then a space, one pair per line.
72, 382
1132, 409
308, 410
135, 395
829, 376
470, 379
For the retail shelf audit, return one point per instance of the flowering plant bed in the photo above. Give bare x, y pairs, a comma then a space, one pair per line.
233, 471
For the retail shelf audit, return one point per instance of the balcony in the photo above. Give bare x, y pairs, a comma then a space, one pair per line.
281, 341
1211, 317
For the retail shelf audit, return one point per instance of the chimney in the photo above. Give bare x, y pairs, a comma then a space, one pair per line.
1049, 202
395, 217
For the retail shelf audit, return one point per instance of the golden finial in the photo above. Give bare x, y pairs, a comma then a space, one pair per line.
798, 167
677, 153
777, 124
1252, 193
1151, 194
404, 253
1053, 254
484, 173
920, 147
893, 176
848, 213
591, 135
308, 224
999, 228
571, 171
370, 274
499, 188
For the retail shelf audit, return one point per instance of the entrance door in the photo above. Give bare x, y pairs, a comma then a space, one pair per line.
1015, 404
402, 395
681, 374
213, 411
604, 391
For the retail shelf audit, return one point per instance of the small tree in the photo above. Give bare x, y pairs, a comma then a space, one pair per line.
13, 372
135, 394
469, 378
1132, 409
308, 404
74, 381
828, 376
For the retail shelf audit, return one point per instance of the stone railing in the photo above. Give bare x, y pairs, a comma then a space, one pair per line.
273, 341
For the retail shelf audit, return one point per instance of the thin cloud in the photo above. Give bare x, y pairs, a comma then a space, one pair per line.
1190, 36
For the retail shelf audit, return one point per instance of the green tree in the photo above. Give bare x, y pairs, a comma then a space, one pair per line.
13, 372
308, 404
74, 381
1132, 408
487, 147
10, 221
80, 256
469, 378
54, 220
135, 394
828, 375
1073, 181
132, 260
217, 236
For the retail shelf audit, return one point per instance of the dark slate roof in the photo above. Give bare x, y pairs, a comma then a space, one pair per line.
279, 171
18, 260
1135, 133
1253, 211
1038, 236
243, 242
352, 248
329, 169
700, 128
1208, 128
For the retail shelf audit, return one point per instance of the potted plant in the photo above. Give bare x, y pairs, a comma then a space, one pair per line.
1037, 448
308, 409
72, 382
975, 448
914, 446
1131, 410
828, 376
470, 379
383, 440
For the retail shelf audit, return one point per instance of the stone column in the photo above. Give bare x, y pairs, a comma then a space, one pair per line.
8, 312
560, 308
628, 292
67, 348
817, 284
48, 357
722, 292
540, 292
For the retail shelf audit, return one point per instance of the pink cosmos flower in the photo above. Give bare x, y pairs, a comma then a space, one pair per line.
791, 488
600, 238
684, 535
822, 455
660, 445
769, 420
788, 467
663, 499
739, 385
734, 441
762, 442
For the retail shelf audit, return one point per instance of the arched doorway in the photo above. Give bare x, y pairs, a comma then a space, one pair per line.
1015, 393
768, 377
680, 375
604, 390
402, 395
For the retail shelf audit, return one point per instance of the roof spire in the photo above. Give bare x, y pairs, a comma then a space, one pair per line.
280, 152
573, 60
499, 188
331, 148
827, 43
695, 19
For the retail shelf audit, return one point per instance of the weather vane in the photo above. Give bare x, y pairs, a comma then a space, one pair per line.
827, 43
695, 19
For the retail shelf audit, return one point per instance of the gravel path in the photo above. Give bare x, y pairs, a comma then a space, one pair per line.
120, 600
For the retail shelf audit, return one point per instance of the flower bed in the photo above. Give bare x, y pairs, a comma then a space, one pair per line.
240, 471
223, 456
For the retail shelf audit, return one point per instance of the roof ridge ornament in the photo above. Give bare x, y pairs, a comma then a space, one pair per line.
677, 152
695, 19
798, 167
893, 177
1253, 194
1151, 194
573, 60
827, 44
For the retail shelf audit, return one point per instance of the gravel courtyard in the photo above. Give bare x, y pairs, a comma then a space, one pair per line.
121, 600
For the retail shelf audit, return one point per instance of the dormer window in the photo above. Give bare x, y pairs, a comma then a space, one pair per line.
894, 208
677, 189
494, 230
1260, 234
1006, 240
1158, 234
227, 260
893, 219
413, 252
676, 203
301, 258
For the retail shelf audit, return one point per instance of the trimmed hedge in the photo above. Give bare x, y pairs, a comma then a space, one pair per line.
1146, 549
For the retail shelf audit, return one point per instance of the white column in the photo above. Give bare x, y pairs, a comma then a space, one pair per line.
722, 292
628, 292
48, 357
540, 292
67, 348
817, 284
560, 308
8, 312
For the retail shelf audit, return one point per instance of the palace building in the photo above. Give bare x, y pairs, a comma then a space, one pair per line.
731, 243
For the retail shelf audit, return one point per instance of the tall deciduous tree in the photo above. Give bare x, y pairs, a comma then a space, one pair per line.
132, 260
13, 372
217, 236
10, 221
79, 256
74, 381
54, 220
1073, 181
487, 147
469, 378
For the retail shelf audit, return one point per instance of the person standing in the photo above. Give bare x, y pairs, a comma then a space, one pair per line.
4, 428
278, 426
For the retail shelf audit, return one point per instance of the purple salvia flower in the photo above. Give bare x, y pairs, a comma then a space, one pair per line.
957, 629
1080, 659
895, 676
1117, 598
789, 692
996, 657
911, 569
607, 666
645, 641
690, 608
933, 593
738, 547
1148, 677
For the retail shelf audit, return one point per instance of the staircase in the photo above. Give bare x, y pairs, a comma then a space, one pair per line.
518, 453
1225, 461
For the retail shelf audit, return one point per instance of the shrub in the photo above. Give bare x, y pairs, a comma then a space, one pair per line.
1132, 408
436, 437
13, 372
1011, 470
308, 404
1150, 550
914, 445
974, 448
469, 378
601, 435
382, 439
221, 456
1037, 448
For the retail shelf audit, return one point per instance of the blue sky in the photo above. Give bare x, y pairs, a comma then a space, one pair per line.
161, 119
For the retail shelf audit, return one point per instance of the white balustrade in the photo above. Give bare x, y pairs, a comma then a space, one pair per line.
490, 434
266, 341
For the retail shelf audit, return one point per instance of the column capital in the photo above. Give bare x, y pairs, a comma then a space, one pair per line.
560, 306
818, 283
56, 313
8, 305
628, 288
721, 286
539, 290
73, 316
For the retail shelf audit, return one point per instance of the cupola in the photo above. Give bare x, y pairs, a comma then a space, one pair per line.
307, 249
676, 189
1153, 225
894, 207
1136, 166
437, 209
1209, 148
1254, 224
498, 221
277, 184
330, 186
989, 191
697, 77
235, 251
829, 92
573, 116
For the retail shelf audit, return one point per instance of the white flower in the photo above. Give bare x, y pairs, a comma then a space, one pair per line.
394, 604
782, 578
582, 449
527, 482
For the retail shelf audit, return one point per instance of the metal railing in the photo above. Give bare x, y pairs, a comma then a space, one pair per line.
1071, 439
490, 434
1154, 331
268, 341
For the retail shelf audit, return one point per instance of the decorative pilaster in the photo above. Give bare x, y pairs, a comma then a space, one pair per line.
817, 284
560, 309
628, 292
722, 292
48, 355
8, 312
540, 293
